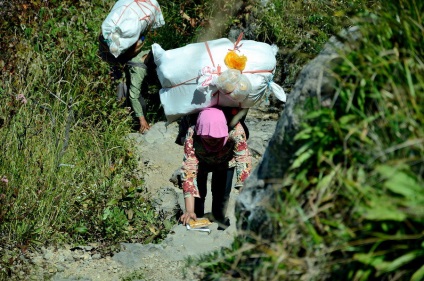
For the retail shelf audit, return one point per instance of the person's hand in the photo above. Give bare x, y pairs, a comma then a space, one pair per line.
144, 126
138, 46
187, 216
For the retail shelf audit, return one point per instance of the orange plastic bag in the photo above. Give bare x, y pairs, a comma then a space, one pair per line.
235, 61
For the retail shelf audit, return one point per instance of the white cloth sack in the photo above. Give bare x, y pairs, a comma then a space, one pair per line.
187, 75
127, 20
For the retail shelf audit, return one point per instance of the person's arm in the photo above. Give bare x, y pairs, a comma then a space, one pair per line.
242, 156
189, 211
188, 176
132, 51
241, 115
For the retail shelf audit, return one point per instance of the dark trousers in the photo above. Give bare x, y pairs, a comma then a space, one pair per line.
221, 187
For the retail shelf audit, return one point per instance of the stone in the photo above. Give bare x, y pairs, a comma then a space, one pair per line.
166, 203
96, 256
314, 82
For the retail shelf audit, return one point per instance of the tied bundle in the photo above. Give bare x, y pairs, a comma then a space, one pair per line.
232, 82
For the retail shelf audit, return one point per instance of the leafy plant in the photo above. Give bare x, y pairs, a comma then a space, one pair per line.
350, 205
66, 161
300, 29
68, 174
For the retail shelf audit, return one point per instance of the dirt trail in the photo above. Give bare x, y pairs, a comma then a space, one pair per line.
159, 158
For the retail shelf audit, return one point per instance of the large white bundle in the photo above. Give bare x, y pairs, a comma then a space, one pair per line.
188, 75
127, 20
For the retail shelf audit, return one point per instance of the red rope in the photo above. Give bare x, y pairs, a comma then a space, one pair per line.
142, 7
210, 53
217, 99
236, 47
250, 71
219, 67
182, 83
147, 1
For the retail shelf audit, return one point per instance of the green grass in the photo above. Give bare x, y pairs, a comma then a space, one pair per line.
350, 206
69, 174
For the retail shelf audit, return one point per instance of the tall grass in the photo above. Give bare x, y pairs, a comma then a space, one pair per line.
351, 206
68, 172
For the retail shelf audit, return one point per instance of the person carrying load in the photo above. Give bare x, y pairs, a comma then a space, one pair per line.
121, 43
210, 147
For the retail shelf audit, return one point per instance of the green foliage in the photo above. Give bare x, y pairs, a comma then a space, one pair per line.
178, 31
68, 170
351, 204
301, 28
136, 275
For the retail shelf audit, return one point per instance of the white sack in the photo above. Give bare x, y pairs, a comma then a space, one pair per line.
187, 75
127, 20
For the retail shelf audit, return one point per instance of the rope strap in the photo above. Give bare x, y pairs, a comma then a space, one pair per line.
210, 53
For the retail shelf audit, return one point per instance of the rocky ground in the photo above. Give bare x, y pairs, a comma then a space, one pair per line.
159, 158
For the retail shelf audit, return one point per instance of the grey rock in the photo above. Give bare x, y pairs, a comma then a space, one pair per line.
86, 257
131, 254
67, 255
43, 250
166, 202
314, 82
60, 258
96, 257
158, 134
77, 255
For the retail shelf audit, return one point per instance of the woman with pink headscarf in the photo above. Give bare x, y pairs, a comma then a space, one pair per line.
209, 147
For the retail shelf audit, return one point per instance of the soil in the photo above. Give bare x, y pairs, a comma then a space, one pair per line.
159, 156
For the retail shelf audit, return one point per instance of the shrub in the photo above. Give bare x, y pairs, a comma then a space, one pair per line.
351, 204
69, 173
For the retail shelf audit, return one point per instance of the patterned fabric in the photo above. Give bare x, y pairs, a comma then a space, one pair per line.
235, 153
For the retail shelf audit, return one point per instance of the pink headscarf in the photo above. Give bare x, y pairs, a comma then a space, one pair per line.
212, 123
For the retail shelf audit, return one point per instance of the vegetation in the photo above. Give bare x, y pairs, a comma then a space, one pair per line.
351, 206
69, 174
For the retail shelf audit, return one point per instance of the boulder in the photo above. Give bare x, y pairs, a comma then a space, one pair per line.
314, 82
